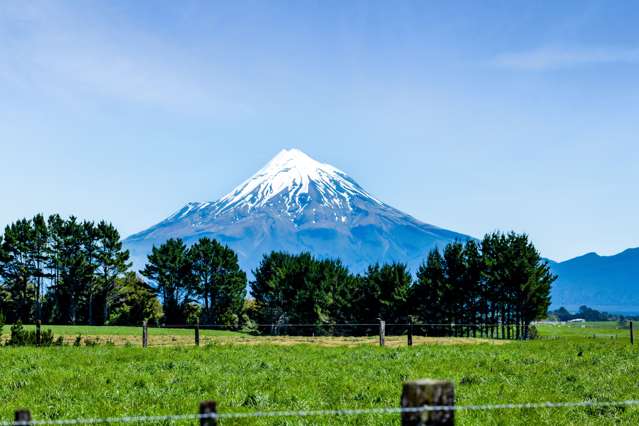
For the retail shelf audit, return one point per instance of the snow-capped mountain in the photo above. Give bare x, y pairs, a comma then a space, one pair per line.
295, 203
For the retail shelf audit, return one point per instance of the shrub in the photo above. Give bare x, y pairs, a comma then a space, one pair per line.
192, 312
533, 333
249, 326
46, 337
21, 337
230, 320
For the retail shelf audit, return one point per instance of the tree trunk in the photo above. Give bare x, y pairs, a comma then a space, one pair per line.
91, 308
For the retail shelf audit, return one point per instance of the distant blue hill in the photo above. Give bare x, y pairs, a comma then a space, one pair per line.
608, 283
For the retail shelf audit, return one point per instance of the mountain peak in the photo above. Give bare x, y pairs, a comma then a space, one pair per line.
294, 163
293, 154
298, 179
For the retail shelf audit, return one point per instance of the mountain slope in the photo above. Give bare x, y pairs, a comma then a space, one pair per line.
295, 203
604, 282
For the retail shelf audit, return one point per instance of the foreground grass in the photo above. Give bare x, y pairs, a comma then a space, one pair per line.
70, 382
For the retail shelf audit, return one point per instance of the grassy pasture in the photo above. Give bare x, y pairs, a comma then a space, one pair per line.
69, 382
602, 329
123, 335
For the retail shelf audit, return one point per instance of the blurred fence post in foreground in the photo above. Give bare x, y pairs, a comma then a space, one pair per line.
422, 393
208, 407
22, 418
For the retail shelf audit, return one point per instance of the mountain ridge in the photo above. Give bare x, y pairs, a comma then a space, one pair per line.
608, 282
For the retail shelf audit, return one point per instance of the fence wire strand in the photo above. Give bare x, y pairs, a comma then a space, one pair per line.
335, 412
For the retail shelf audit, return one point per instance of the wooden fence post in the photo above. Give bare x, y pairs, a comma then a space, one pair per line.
208, 407
410, 331
424, 393
382, 332
38, 336
22, 418
145, 335
632, 335
197, 333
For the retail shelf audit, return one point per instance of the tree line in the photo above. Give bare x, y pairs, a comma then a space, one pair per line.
202, 282
588, 314
495, 287
67, 271
76, 272
61, 270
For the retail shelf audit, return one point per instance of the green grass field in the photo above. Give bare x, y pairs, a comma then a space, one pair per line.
592, 329
104, 380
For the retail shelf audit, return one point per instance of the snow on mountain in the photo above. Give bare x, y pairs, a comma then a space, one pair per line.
292, 176
294, 172
295, 203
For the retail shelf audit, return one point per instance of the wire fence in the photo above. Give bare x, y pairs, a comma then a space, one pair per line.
504, 330
347, 333
509, 331
393, 333
325, 413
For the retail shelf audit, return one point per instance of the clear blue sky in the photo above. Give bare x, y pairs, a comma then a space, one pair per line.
473, 116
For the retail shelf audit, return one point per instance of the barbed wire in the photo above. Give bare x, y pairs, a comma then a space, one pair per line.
328, 412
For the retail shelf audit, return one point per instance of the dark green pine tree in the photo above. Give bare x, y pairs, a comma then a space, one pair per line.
168, 266
384, 293
112, 261
341, 287
530, 281
18, 270
291, 282
265, 287
4, 294
89, 241
495, 280
72, 290
472, 287
54, 226
40, 259
319, 294
302, 289
429, 291
517, 282
133, 301
218, 281
453, 297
